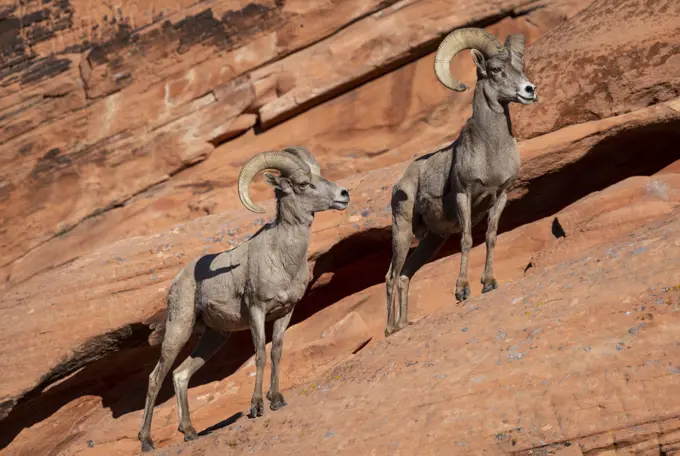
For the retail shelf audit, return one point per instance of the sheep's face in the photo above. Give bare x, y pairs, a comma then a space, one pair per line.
312, 192
506, 80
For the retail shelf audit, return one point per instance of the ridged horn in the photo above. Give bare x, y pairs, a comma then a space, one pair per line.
288, 164
515, 44
306, 156
456, 41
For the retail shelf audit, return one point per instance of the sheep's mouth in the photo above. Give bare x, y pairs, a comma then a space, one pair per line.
526, 100
340, 204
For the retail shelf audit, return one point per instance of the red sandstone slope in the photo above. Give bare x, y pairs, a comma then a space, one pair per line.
532, 363
122, 287
578, 357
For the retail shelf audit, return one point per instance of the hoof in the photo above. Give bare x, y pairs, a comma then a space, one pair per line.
463, 293
402, 325
398, 327
190, 434
147, 445
277, 402
489, 286
256, 408
390, 330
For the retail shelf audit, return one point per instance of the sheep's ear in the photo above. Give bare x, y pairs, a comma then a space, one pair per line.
480, 61
277, 182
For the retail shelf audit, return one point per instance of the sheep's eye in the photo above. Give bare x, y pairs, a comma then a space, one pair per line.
495, 70
304, 185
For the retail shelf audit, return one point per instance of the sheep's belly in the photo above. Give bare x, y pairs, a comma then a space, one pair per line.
225, 317
440, 214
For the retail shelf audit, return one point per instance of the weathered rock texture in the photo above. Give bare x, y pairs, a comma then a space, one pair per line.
613, 57
118, 140
578, 357
123, 130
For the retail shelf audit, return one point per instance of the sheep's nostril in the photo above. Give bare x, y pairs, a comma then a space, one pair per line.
529, 89
344, 193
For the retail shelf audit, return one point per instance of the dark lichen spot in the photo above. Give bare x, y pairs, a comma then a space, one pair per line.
26, 149
36, 16
50, 162
6, 11
38, 33
46, 67
11, 42
198, 28
246, 19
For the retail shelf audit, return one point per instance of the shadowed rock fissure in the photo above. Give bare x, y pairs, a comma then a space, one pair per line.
115, 366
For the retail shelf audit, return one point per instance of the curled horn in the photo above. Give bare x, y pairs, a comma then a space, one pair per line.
306, 156
515, 44
288, 164
456, 41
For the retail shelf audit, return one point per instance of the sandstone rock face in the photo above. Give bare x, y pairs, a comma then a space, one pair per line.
122, 287
137, 100
561, 298
118, 140
613, 57
123, 129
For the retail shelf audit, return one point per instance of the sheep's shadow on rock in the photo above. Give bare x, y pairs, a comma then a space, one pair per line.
222, 424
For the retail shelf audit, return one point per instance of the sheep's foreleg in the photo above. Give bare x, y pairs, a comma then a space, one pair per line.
257, 330
488, 279
274, 395
464, 212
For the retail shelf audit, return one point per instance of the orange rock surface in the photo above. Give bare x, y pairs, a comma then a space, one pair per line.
122, 131
613, 57
160, 149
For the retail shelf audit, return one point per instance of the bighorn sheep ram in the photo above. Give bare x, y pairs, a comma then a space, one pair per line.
260, 280
449, 191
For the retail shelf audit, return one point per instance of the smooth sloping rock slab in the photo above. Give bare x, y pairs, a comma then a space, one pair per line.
126, 282
581, 354
331, 335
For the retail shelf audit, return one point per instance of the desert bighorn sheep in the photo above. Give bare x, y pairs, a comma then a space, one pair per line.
451, 190
260, 280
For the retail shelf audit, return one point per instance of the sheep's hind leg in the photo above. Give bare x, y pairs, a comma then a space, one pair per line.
402, 234
401, 242
488, 279
274, 394
209, 344
177, 333
465, 220
426, 249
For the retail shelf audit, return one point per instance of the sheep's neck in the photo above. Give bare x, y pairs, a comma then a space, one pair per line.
293, 228
490, 113
289, 213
